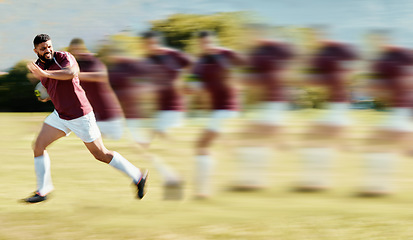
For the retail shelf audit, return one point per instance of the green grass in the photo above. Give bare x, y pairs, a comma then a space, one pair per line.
93, 201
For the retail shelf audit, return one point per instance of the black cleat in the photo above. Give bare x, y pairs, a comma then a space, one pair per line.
36, 198
141, 185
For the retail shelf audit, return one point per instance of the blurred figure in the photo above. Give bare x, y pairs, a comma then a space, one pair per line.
125, 74
128, 78
328, 67
267, 64
163, 67
213, 70
93, 78
391, 80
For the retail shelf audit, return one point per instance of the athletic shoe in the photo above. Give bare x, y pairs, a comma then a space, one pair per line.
141, 185
35, 198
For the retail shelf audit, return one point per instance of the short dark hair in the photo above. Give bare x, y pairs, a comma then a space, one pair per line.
205, 33
41, 38
76, 41
150, 34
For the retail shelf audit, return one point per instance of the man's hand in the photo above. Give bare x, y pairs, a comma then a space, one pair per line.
43, 100
36, 70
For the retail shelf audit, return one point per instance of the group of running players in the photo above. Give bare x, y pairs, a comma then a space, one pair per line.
93, 99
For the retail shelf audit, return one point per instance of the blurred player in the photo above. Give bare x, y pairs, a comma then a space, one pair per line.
93, 78
391, 80
328, 67
58, 72
163, 67
213, 69
268, 61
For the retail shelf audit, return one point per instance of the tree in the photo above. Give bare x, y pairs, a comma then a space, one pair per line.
179, 29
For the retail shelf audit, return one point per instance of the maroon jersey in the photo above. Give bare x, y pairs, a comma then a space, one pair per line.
121, 78
266, 62
390, 71
328, 63
163, 70
213, 70
100, 94
67, 96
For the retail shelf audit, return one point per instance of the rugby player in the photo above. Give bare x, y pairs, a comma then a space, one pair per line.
391, 81
266, 76
58, 72
213, 69
329, 67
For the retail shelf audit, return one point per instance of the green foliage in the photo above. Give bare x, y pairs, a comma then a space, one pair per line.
179, 29
16, 92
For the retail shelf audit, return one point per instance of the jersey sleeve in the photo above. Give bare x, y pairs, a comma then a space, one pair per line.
65, 60
348, 53
182, 59
234, 58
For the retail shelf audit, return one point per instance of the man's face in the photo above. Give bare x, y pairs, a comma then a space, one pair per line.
206, 42
44, 51
150, 43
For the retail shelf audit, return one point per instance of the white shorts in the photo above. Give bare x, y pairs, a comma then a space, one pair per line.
84, 127
271, 113
134, 126
168, 119
399, 119
218, 117
112, 129
337, 114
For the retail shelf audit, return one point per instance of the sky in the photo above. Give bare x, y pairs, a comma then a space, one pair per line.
92, 20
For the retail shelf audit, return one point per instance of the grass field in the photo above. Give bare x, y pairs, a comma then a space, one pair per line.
93, 201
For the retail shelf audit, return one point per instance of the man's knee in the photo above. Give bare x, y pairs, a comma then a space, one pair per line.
38, 148
102, 156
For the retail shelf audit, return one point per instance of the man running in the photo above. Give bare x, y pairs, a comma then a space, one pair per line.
213, 69
58, 72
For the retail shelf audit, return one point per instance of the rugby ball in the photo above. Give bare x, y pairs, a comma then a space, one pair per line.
40, 91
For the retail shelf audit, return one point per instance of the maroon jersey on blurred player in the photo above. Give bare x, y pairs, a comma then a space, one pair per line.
266, 62
214, 71
329, 66
99, 93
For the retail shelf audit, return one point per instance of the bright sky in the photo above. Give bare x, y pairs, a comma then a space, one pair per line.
92, 20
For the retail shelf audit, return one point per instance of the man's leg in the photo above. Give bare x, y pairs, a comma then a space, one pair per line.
204, 163
101, 153
47, 135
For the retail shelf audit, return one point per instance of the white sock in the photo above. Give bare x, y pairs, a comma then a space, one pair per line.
43, 175
379, 170
253, 165
204, 169
168, 175
317, 163
125, 166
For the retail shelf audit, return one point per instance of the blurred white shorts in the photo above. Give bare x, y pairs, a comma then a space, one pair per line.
336, 114
218, 118
134, 126
84, 127
168, 119
112, 129
271, 113
399, 119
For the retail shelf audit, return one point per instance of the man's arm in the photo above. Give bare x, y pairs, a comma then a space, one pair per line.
93, 76
67, 73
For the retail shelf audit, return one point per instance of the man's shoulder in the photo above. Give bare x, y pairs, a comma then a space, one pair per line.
60, 55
